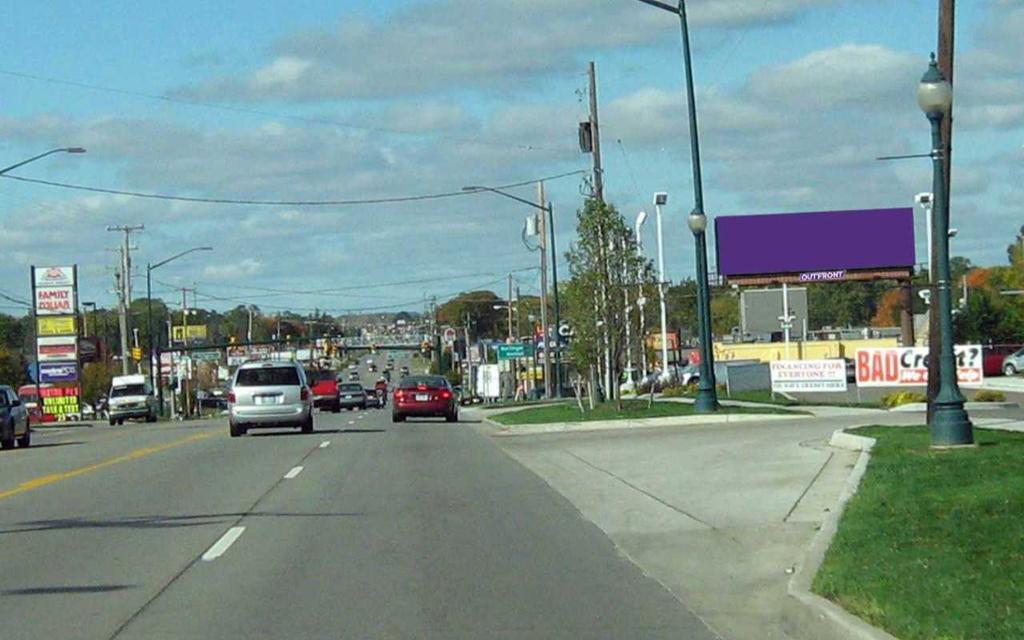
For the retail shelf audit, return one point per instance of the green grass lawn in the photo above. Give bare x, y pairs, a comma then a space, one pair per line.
631, 409
932, 544
766, 397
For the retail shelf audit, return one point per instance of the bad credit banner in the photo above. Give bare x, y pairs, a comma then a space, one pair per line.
908, 366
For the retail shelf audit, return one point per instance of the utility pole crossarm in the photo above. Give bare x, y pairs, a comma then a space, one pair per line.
507, 195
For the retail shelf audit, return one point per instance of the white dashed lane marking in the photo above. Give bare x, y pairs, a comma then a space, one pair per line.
294, 472
222, 545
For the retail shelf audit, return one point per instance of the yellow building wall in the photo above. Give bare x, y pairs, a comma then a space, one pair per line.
814, 350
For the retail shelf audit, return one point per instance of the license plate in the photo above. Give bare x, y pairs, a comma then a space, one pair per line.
348, 397
422, 397
268, 399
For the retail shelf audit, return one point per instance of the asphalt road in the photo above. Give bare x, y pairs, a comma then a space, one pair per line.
364, 529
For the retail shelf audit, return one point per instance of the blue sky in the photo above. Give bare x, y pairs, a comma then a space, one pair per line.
796, 97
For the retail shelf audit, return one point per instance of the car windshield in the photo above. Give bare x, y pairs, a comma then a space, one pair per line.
128, 390
412, 382
350, 387
267, 377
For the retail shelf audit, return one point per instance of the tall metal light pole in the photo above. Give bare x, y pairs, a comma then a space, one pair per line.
660, 199
707, 395
640, 299
549, 209
155, 340
949, 424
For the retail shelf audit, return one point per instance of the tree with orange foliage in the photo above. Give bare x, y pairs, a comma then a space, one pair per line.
888, 312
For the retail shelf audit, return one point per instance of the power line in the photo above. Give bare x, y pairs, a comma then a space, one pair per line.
277, 203
271, 114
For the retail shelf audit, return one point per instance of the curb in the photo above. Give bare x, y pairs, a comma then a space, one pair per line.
911, 407
506, 431
806, 615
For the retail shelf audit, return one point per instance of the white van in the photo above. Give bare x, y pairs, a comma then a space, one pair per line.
131, 397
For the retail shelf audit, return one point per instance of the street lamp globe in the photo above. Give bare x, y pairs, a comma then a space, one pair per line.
698, 222
934, 92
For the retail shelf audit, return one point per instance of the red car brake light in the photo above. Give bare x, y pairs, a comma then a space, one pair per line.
446, 394
399, 394
231, 397
304, 394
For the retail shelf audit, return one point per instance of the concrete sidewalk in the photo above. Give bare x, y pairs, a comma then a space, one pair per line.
719, 514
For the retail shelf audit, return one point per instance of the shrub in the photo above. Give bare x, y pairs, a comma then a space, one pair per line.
989, 396
902, 397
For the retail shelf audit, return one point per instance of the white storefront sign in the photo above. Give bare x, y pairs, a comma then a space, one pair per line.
908, 366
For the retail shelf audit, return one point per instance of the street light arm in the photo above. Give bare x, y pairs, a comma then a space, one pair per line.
661, 5
507, 195
175, 257
42, 155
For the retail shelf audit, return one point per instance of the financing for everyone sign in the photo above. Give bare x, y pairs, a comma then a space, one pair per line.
55, 301
57, 348
808, 376
908, 366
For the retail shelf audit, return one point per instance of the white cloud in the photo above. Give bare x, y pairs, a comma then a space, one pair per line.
233, 270
467, 43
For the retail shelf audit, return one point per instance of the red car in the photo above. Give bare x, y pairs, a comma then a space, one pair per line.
324, 384
424, 397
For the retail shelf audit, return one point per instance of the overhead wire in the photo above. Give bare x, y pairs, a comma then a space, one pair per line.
279, 203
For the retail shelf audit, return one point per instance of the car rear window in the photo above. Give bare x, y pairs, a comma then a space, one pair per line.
350, 387
323, 375
267, 377
411, 382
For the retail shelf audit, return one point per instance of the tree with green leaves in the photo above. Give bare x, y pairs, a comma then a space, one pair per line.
604, 264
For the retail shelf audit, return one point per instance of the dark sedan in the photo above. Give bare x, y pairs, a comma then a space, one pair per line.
424, 397
351, 395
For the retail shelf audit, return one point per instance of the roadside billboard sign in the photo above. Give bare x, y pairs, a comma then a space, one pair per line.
816, 246
57, 348
908, 366
54, 276
58, 372
808, 376
195, 332
61, 401
55, 301
56, 326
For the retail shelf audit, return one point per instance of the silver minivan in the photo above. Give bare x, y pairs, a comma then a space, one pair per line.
268, 395
1013, 363
14, 424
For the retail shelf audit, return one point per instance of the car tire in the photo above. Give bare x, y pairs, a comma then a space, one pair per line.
1009, 370
7, 438
112, 421
307, 426
25, 441
336, 408
120, 421
397, 417
236, 430
452, 416
151, 417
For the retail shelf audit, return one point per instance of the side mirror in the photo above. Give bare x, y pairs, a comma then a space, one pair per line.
16, 403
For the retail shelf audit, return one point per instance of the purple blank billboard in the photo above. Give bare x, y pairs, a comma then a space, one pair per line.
815, 242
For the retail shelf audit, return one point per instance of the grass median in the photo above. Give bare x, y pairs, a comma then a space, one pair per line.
932, 544
631, 410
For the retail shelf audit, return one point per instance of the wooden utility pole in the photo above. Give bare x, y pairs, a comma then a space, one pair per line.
595, 134
125, 291
542, 229
947, 29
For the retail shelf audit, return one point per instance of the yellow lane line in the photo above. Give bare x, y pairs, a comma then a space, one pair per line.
42, 481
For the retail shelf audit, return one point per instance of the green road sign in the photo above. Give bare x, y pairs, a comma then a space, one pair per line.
513, 351
206, 356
